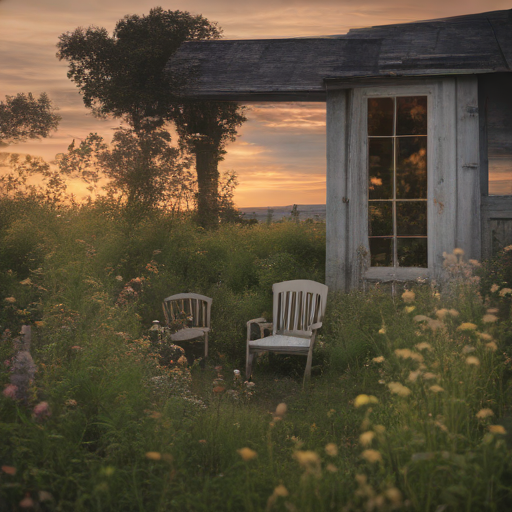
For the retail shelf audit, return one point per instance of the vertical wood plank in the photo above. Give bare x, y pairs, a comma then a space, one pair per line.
358, 250
442, 174
336, 209
468, 235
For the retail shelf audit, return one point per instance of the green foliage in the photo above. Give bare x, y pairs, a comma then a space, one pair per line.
411, 411
24, 117
124, 76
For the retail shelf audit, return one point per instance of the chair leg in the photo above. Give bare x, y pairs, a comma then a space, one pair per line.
248, 365
307, 371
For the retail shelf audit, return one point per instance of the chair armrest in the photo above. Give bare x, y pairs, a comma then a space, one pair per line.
256, 321
316, 326
261, 323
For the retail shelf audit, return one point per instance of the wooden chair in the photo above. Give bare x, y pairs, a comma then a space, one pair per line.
191, 313
298, 311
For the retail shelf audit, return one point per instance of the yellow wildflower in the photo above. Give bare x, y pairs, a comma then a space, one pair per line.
423, 346
429, 376
26, 282
436, 389
442, 313
497, 429
399, 389
468, 349
467, 326
434, 324
475, 263
153, 455
331, 449
449, 259
372, 455
472, 360
421, 318
491, 346
458, 252
413, 376
453, 312
310, 461
281, 410
10, 300
382, 330
489, 318
405, 353
484, 413
494, 288
505, 291
379, 429
379, 359
365, 400
281, 491
409, 309
408, 296
247, 454
366, 438
493, 311
331, 468
484, 336
394, 496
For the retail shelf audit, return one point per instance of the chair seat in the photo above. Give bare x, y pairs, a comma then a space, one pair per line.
281, 343
189, 333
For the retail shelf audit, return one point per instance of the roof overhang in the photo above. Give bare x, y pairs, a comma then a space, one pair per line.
302, 69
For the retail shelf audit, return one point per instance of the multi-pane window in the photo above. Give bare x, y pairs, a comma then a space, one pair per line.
397, 181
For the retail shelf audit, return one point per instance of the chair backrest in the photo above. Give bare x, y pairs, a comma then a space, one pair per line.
190, 306
298, 305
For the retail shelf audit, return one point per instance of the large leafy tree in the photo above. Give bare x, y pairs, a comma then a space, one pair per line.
122, 75
24, 117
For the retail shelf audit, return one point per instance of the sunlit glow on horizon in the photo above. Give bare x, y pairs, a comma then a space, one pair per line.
280, 154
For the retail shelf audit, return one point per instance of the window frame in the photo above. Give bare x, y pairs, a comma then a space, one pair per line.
394, 200
440, 153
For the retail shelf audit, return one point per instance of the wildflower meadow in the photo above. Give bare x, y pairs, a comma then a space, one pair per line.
408, 407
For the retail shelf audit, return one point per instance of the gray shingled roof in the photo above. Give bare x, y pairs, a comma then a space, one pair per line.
297, 68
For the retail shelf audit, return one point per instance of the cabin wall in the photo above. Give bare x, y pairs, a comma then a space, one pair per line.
495, 108
454, 179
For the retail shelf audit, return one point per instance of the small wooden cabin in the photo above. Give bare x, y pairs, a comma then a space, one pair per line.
419, 134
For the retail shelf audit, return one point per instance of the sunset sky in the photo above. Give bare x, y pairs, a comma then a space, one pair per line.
280, 154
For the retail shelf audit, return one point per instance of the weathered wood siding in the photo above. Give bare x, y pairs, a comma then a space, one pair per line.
467, 177
336, 190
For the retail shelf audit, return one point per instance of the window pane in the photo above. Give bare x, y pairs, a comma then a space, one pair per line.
380, 116
411, 218
381, 250
412, 252
411, 168
411, 115
380, 218
381, 168
500, 176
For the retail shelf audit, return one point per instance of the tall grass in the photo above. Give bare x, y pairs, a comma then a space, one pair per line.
408, 408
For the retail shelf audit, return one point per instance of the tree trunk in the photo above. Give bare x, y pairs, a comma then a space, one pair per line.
208, 185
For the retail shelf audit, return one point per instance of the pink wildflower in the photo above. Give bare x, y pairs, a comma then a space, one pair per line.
42, 410
10, 391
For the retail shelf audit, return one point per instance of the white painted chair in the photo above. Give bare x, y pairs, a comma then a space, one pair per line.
298, 311
194, 311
